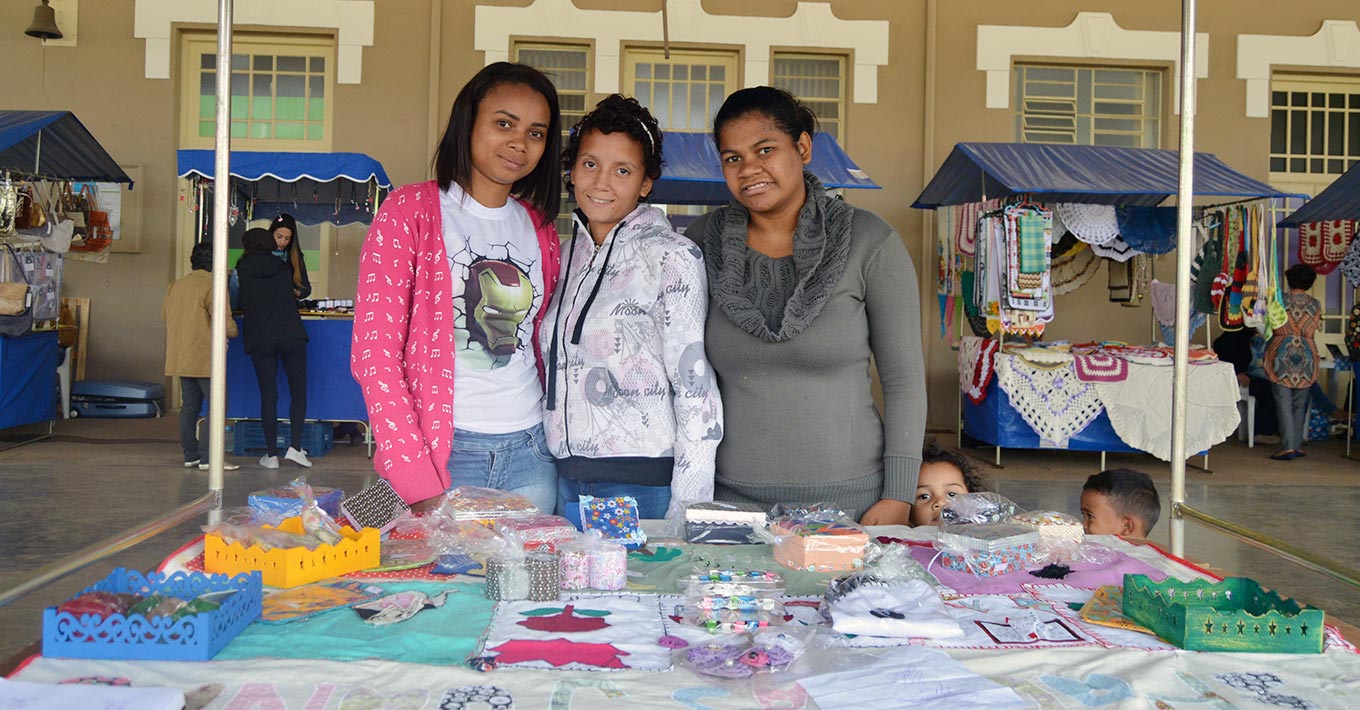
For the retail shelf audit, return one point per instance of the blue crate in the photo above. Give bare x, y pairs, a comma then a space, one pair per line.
248, 438
196, 637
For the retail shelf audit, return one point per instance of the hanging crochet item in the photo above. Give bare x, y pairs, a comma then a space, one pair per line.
1322, 245
1074, 270
1063, 246
1151, 230
1203, 272
978, 324
1116, 249
1099, 367
1350, 263
1230, 306
1052, 401
1093, 224
1310, 244
976, 366
1163, 297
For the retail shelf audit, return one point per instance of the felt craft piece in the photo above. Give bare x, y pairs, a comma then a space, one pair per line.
1093, 224
301, 602
1106, 608
1100, 367
582, 632
1151, 230
616, 518
1052, 401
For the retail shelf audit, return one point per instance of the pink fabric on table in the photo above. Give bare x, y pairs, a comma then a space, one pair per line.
1083, 576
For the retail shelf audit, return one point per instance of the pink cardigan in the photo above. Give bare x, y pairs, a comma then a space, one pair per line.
403, 349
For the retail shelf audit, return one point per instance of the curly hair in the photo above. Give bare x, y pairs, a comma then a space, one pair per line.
617, 114
972, 478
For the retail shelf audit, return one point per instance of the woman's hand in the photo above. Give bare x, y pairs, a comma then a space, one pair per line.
887, 512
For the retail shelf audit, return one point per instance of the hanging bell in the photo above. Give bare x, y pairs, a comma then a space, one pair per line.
44, 23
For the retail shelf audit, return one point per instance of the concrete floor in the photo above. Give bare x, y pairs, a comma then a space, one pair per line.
98, 477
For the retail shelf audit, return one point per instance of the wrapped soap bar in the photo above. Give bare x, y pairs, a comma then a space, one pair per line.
615, 518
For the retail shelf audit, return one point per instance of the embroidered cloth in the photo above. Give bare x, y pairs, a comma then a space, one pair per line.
1052, 401
1140, 407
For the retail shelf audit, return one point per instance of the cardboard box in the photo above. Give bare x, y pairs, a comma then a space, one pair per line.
818, 546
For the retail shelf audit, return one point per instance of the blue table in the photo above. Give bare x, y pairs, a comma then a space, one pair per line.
28, 379
332, 393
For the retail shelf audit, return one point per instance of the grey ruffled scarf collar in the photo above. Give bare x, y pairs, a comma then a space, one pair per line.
821, 248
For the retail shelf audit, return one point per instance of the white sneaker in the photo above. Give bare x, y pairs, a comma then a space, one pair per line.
191, 464
268, 461
298, 457
226, 466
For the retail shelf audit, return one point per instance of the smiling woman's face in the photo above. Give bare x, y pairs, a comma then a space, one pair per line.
762, 164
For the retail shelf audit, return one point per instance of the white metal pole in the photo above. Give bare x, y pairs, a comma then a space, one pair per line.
217, 396
1184, 246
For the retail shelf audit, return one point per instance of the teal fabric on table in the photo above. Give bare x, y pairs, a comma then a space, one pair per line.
443, 636
664, 577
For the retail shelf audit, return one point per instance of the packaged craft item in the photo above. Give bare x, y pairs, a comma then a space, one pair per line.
486, 504
1060, 535
377, 506
315, 521
540, 530
767, 650
608, 566
722, 523
733, 601
285, 501
507, 578
973, 508
816, 541
897, 598
728, 582
616, 518
988, 549
544, 576
97, 604
574, 565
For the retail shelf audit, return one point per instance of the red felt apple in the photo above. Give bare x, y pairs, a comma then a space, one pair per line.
564, 620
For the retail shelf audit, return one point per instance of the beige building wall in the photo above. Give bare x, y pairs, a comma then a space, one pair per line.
930, 95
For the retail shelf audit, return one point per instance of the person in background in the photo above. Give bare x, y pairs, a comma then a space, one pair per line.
945, 474
805, 291
187, 312
1120, 501
273, 333
454, 279
1291, 361
286, 247
632, 408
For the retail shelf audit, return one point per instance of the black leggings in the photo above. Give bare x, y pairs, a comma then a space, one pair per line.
266, 362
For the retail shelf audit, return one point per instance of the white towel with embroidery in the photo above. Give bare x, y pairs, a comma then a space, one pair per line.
912, 609
1140, 407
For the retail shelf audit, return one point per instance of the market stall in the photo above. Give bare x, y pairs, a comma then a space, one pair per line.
1020, 224
42, 154
332, 188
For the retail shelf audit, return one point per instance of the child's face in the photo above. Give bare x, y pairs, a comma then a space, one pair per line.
1098, 517
939, 483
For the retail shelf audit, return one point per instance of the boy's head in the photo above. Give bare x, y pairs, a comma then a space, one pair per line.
944, 475
201, 258
1120, 501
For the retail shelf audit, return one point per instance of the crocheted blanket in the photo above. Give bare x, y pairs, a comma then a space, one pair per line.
1139, 407
1051, 400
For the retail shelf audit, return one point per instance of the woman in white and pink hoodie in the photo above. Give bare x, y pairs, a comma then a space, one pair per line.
632, 407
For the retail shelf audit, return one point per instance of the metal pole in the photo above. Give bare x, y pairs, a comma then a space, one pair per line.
104, 548
1184, 243
217, 395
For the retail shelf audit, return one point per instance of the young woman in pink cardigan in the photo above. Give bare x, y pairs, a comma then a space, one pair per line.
454, 279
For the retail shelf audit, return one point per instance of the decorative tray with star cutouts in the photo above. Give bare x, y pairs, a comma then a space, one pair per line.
1234, 615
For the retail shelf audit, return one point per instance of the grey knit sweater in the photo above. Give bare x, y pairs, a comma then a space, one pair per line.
801, 422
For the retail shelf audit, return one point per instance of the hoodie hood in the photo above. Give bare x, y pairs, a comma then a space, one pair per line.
260, 265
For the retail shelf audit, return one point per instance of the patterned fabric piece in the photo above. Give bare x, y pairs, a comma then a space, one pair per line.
1053, 402
1203, 273
1291, 356
1116, 249
1140, 407
1323, 245
1093, 224
1151, 230
1074, 270
979, 368
1350, 263
1099, 367
1033, 243
580, 632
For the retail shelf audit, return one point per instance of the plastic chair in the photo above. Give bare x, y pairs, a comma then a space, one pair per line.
1246, 409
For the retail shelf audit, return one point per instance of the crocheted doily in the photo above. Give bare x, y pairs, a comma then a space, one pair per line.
1052, 401
1093, 224
1116, 249
1074, 270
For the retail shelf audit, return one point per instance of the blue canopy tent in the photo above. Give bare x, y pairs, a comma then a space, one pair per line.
340, 188
692, 174
1340, 200
54, 145
1078, 173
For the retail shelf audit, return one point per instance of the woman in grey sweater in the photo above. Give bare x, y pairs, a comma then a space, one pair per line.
804, 291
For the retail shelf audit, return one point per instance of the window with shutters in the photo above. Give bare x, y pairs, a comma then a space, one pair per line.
568, 66
1077, 105
818, 80
1314, 124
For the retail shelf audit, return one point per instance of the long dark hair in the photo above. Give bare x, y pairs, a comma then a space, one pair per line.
792, 116
618, 114
294, 249
541, 188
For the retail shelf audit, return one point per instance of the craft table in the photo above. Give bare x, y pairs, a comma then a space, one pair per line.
1047, 673
28, 379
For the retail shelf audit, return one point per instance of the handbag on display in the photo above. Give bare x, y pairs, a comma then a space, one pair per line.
16, 314
96, 220
9, 206
31, 213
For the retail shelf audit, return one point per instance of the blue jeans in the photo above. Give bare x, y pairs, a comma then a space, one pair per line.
518, 462
652, 500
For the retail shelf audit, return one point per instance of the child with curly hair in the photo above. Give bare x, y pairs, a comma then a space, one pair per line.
945, 473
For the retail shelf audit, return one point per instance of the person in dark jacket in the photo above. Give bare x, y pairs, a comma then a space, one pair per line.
271, 331
286, 247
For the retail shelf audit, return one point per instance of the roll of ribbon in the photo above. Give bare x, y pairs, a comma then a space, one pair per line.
574, 569
544, 576
608, 567
506, 580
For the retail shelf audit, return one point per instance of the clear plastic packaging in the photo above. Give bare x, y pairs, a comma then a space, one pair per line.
898, 598
284, 501
816, 539
975, 508
765, 651
1060, 535
723, 523
539, 530
728, 582
485, 504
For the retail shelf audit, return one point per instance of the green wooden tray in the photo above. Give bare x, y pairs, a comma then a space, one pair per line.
1233, 615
